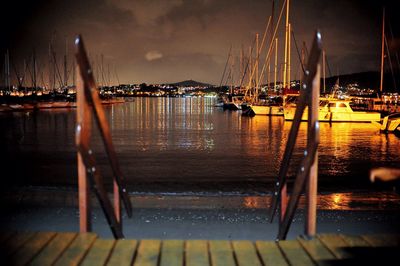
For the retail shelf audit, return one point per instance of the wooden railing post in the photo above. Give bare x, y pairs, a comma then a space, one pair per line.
117, 203
307, 172
88, 101
83, 133
312, 183
284, 200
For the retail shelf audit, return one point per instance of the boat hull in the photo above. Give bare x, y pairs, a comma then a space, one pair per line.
335, 116
267, 110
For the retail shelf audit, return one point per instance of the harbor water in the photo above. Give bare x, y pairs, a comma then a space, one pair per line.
186, 145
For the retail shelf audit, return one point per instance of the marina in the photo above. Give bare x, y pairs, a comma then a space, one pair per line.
189, 130
107, 159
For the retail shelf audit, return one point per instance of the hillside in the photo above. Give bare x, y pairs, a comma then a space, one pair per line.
364, 80
191, 83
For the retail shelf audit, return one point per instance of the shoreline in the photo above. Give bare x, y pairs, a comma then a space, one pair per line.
68, 197
211, 224
218, 216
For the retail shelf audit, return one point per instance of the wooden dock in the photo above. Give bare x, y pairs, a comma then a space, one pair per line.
55, 248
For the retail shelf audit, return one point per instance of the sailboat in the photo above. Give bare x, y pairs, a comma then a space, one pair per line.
273, 108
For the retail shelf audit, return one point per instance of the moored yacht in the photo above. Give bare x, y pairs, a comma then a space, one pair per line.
334, 110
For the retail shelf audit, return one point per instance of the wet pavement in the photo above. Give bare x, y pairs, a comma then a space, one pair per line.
202, 217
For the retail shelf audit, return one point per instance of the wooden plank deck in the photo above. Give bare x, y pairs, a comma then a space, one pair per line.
55, 248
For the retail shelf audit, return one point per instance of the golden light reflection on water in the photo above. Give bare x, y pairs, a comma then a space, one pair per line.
255, 202
337, 198
337, 201
190, 140
250, 148
161, 118
256, 136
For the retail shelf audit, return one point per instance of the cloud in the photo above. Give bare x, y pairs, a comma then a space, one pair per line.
153, 55
158, 40
147, 11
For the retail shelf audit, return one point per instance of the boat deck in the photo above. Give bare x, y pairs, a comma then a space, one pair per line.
56, 248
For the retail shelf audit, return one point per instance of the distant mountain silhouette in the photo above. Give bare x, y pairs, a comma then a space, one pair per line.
191, 83
369, 80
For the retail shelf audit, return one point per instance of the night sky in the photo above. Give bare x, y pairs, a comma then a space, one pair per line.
159, 41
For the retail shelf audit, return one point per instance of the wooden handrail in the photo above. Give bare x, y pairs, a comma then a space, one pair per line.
307, 173
88, 101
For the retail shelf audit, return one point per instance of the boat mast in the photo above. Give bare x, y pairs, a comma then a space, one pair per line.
250, 68
382, 51
289, 59
323, 69
286, 46
232, 76
23, 77
103, 81
269, 74
276, 61
34, 70
73, 72
7, 71
51, 87
116, 76
241, 66
226, 64
65, 65
109, 75
257, 64
271, 41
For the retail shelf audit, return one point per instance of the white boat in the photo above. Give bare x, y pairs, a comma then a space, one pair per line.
16, 106
267, 110
334, 110
273, 107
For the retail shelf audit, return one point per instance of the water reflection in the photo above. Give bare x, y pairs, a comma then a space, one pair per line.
337, 201
256, 202
167, 123
359, 201
188, 140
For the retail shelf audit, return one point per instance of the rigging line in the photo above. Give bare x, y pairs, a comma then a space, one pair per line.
259, 50
228, 76
328, 65
58, 73
4, 69
42, 78
19, 78
256, 64
103, 79
30, 71
390, 64
226, 64
267, 58
298, 53
247, 65
116, 75
25, 70
305, 49
265, 35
